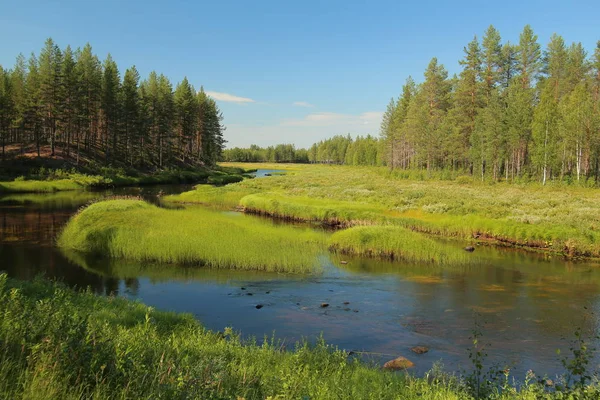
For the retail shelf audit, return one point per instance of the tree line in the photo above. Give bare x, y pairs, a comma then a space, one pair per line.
514, 110
281, 153
68, 101
336, 150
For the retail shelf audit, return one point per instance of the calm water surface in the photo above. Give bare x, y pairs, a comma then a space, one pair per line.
528, 304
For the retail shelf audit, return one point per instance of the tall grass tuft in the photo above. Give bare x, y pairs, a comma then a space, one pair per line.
397, 243
136, 230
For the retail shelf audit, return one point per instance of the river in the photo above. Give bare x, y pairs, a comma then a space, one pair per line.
528, 305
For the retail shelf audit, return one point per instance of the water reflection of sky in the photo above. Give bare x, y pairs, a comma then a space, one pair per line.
526, 302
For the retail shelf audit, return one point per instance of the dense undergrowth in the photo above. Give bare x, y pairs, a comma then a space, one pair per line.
136, 230
56, 343
560, 219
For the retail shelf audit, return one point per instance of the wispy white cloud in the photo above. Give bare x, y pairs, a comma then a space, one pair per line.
320, 119
230, 98
302, 104
303, 132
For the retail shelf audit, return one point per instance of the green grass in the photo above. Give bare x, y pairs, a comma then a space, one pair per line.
559, 219
56, 343
49, 181
397, 243
136, 230
75, 182
51, 201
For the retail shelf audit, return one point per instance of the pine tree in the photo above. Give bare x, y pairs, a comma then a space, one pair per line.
51, 91
529, 57
131, 114
70, 97
33, 113
110, 106
508, 64
404, 147
546, 133
492, 60
186, 111
386, 131
89, 81
6, 108
18, 78
468, 101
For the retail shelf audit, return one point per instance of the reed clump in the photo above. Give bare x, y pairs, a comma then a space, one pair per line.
135, 230
397, 243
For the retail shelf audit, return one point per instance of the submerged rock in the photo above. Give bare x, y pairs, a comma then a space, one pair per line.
420, 349
398, 363
470, 249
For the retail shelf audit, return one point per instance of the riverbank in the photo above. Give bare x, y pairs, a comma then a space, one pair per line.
560, 220
49, 181
61, 344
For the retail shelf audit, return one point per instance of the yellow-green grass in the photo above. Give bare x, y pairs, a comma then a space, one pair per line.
80, 182
562, 219
51, 201
334, 212
136, 230
397, 243
61, 180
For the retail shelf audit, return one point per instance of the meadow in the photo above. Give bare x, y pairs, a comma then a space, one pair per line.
556, 218
138, 231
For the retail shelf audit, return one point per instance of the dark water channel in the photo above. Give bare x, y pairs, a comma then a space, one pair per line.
529, 305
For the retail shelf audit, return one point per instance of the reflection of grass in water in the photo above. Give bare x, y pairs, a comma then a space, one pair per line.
139, 231
125, 269
50, 201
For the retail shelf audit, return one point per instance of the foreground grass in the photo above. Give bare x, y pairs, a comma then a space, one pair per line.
136, 230
560, 219
396, 243
59, 344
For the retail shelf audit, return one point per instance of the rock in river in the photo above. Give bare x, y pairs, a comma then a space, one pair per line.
420, 349
398, 363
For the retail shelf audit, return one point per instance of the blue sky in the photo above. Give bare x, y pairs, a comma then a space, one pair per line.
295, 71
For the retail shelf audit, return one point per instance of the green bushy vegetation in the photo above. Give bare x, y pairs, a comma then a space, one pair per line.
135, 230
396, 243
560, 219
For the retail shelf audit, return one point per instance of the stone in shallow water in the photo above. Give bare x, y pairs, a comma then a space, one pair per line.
420, 349
398, 363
